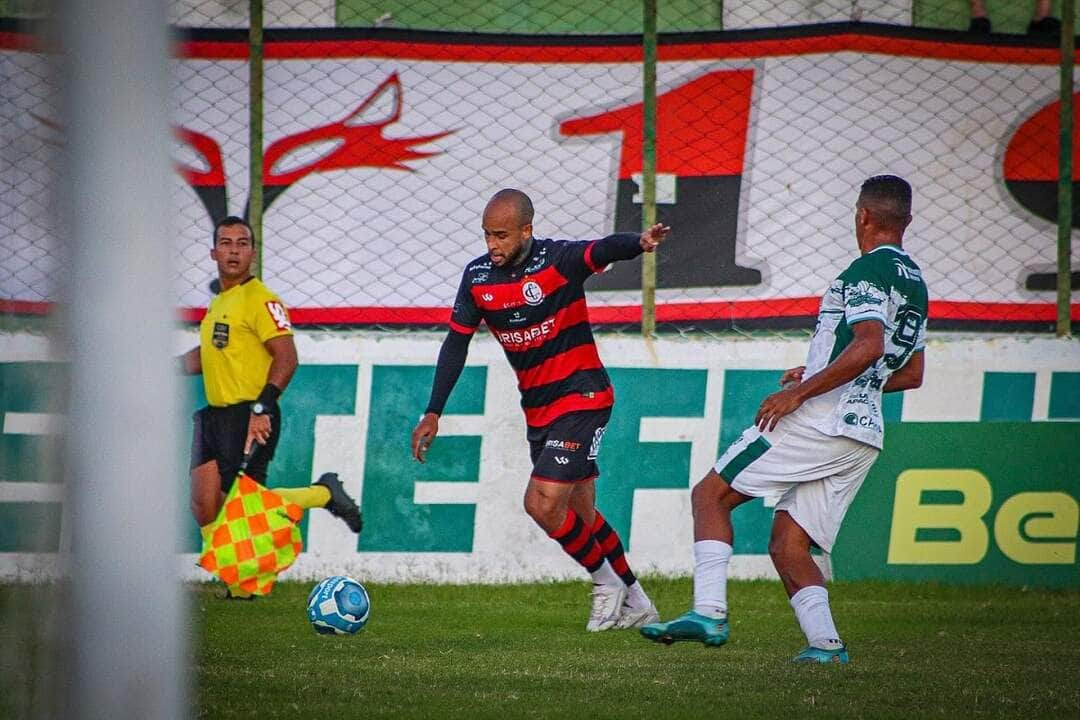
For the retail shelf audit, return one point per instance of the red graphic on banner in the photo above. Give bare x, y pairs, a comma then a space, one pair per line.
1030, 169
701, 132
701, 127
361, 145
356, 143
209, 151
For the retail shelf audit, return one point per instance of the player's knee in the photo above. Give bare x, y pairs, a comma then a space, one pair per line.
783, 548
710, 494
546, 512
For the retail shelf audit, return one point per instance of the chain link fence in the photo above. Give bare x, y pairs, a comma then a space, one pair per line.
388, 124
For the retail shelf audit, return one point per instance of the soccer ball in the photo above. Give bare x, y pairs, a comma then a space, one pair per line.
338, 605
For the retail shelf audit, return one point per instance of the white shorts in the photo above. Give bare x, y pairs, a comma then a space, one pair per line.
814, 475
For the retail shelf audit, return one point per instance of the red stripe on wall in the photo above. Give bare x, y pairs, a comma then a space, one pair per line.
618, 314
463, 51
25, 307
631, 53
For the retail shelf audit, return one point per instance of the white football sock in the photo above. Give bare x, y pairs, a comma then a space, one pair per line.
636, 597
605, 575
710, 577
811, 605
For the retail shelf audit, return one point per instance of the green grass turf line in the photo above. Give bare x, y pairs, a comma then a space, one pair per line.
520, 651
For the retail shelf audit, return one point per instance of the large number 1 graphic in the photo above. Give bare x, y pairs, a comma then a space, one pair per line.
702, 129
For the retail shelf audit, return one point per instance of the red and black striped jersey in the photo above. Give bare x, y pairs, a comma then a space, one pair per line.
537, 312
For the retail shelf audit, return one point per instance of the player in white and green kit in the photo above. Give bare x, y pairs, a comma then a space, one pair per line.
814, 441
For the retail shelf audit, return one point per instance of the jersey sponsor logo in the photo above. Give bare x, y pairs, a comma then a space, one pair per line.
863, 421
488, 297
562, 460
479, 278
511, 338
280, 315
532, 292
908, 273
567, 445
598, 437
872, 380
220, 338
538, 262
863, 293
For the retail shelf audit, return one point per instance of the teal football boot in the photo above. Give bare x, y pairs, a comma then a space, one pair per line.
689, 626
817, 655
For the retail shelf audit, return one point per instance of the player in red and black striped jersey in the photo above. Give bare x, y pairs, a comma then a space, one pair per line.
530, 293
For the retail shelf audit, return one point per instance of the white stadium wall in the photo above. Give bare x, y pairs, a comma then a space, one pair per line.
1004, 408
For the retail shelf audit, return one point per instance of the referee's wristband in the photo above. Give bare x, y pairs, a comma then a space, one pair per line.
269, 396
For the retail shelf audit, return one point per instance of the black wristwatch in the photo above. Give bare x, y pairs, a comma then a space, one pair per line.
257, 408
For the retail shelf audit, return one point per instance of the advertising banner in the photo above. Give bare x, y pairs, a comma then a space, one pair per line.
382, 149
977, 481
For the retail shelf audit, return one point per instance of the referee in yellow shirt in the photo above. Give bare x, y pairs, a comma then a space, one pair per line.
247, 356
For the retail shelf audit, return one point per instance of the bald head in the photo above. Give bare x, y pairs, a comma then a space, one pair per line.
508, 226
519, 201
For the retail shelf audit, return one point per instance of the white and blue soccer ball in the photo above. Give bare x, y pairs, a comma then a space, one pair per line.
338, 605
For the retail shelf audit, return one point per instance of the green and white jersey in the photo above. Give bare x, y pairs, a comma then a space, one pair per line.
884, 286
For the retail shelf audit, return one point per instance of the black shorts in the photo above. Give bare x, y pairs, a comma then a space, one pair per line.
219, 434
566, 450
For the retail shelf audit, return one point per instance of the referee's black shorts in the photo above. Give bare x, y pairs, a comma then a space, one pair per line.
219, 434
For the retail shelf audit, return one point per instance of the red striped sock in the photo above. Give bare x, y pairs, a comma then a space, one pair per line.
611, 546
578, 542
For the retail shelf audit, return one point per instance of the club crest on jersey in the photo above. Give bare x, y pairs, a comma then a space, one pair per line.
532, 292
220, 338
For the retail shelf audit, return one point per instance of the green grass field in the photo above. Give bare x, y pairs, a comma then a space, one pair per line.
521, 651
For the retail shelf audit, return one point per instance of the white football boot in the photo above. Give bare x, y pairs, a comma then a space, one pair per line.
636, 617
607, 607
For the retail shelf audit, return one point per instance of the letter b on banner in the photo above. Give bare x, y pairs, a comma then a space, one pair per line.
989, 502
913, 517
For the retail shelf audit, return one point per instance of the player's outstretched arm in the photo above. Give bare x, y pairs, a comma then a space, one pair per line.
651, 238
625, 246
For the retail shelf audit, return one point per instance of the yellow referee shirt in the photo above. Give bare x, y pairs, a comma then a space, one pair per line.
231, 336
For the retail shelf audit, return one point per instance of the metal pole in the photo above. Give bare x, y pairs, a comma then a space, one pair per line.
123, 419
648, 168
1065, 170
255, 141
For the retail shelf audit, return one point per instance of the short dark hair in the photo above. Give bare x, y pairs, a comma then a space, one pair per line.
229, 221
521, 201
889, 198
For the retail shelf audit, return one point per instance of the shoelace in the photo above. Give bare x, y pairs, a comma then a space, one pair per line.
601, 601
